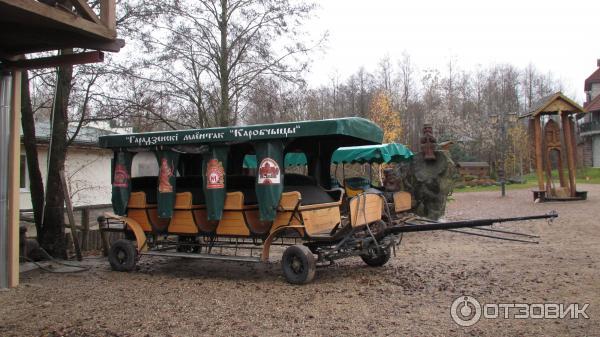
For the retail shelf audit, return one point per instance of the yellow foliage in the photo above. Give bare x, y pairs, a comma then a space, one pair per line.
382, 113
519, 150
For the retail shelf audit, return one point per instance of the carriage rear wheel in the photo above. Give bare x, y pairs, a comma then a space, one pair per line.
298, 264
377, 257
122, 255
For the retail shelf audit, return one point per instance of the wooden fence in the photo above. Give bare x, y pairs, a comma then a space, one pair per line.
88, 232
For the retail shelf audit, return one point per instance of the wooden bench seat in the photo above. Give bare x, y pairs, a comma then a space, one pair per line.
145, 214
310, 220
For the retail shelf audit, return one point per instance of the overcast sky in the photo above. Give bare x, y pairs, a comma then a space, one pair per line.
561, 37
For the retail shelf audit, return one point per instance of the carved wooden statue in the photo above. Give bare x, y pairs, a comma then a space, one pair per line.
428, 143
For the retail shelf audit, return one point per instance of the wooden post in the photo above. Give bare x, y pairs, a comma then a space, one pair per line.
14, 181
70, 215
105, 242
566, 126
85, 225
537, 131
107, 14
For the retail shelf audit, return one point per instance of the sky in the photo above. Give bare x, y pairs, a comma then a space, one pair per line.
560, 37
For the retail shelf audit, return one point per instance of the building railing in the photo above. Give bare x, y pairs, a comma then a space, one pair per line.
589, 126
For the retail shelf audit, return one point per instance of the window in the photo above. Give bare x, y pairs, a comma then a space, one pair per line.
24, 179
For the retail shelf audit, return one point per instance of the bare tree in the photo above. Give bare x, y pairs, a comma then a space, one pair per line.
204, 56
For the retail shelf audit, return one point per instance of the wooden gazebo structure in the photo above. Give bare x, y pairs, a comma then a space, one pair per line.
30, 26
552, 126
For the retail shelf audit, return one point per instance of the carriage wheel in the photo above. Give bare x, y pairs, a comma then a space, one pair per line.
122, 255
377, 258
298, 264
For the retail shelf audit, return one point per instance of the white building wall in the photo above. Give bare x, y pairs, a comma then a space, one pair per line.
88, 175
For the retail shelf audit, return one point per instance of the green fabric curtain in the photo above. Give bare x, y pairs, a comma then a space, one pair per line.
291, 159
269, 178
214, 167
121, 181
384, 153
167, 164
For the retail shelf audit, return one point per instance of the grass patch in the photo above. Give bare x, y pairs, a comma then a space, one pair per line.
584, 176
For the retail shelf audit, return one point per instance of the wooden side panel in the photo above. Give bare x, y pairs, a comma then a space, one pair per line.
254, 223
182, 222
287, 203
232, 223
183, 200
320, 221
365, 209
137, 200
289, 200
402, 201
202, 221
234, 200
160, 223
282, 219
139, 215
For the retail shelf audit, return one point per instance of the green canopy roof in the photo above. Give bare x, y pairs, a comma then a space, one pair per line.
291, 159
356, 127
383, 153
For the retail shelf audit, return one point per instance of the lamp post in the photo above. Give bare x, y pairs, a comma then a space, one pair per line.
501, 121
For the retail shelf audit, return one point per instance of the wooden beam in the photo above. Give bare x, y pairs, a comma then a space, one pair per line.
14, 182
18, 38
55, 61
70, 215
537, 140
85, 11
566, 126
56, 43
107, 13
60, 17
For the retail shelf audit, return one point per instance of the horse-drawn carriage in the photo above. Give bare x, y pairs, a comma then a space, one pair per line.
203, 204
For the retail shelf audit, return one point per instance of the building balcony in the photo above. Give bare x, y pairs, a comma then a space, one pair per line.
589, 128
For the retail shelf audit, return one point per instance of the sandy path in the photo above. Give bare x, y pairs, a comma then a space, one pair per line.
411, 295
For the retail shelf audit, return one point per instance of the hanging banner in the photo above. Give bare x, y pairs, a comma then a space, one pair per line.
167, 162
215, 180
215, 174
269, 172
121, 181
269, 182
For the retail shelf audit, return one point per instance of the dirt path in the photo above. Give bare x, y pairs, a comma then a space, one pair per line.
411, 295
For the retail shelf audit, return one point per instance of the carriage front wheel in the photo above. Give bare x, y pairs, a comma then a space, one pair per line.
298, 264
122, 255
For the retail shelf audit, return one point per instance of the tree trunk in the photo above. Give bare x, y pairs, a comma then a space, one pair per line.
36, 184
53, 227
224, 108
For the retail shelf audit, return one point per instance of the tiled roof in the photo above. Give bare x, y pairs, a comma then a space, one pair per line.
594, 78
543, 103
87, 135
594, 105
473, 164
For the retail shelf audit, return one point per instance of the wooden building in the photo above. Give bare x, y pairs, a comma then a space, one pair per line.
478, 169
30, 26
553, 131
589, 125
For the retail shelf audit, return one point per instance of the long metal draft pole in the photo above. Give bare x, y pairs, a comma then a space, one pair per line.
5, 106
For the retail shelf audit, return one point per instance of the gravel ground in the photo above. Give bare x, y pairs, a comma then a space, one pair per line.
411, 295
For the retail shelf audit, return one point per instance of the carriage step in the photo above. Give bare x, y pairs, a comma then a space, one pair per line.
204, 256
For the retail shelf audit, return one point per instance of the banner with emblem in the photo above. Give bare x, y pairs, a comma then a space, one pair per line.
121, 181
269, 180
167, 165
213, 173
